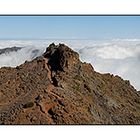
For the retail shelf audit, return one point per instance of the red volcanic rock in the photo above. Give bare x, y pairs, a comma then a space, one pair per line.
57, 88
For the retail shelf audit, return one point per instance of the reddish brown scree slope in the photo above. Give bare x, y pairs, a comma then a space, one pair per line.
57, 88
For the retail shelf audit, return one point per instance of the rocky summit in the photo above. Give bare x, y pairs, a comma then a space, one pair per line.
57, 88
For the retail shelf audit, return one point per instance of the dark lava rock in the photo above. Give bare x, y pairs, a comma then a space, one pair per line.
61, 57
57, 88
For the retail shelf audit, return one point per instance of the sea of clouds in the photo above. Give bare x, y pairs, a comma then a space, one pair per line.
119, 56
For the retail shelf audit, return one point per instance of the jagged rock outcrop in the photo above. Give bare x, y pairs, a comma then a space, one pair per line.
61, 58
57, 88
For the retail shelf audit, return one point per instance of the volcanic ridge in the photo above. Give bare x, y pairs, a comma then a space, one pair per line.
57, 88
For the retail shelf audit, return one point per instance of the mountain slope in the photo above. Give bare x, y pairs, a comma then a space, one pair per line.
57, 88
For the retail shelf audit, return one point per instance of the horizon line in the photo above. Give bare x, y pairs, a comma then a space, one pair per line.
70, 39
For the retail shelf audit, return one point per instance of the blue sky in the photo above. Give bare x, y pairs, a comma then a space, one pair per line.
69, 27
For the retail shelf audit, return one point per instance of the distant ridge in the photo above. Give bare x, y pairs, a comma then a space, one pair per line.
8, 50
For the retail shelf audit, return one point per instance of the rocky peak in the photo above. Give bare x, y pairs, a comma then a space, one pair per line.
57, 88
61, 57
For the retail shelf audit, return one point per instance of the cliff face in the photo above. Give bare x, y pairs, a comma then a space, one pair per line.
57, 88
